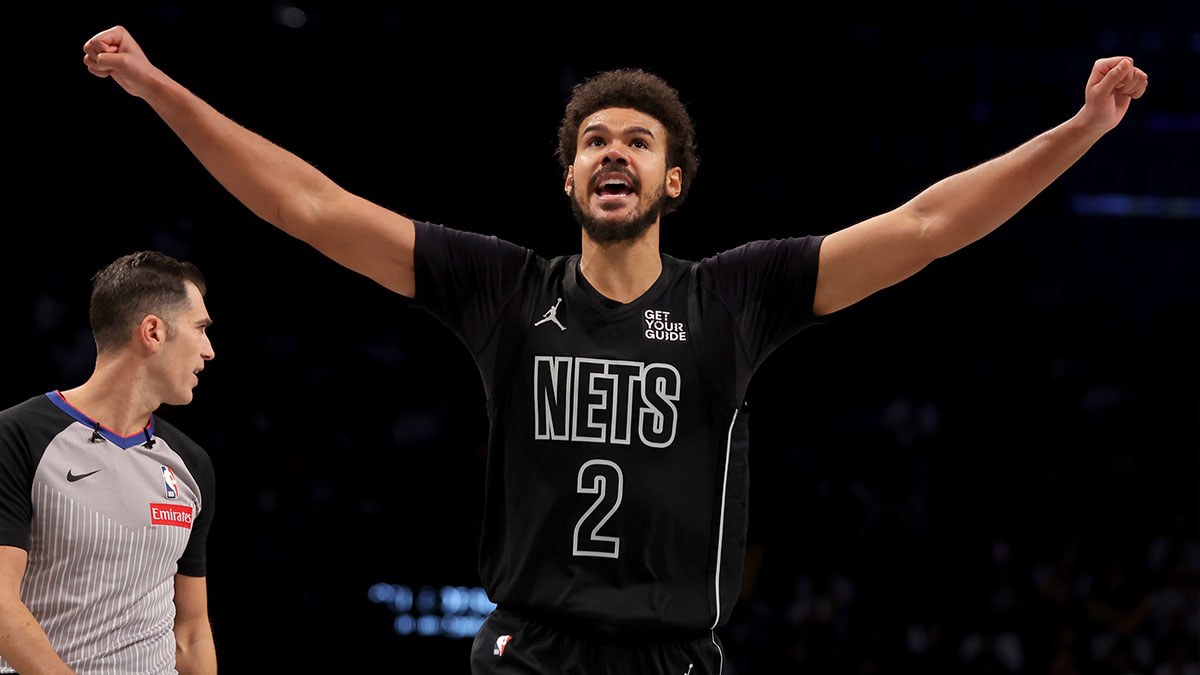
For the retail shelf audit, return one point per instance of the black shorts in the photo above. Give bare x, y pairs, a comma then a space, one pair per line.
509, 643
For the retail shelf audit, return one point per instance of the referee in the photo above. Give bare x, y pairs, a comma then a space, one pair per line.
105, 507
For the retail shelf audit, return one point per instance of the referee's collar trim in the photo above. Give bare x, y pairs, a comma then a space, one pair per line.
123, 442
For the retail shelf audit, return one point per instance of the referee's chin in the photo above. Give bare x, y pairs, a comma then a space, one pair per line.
183, 397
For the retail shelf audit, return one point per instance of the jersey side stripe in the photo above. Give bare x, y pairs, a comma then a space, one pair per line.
720, 654
721, 524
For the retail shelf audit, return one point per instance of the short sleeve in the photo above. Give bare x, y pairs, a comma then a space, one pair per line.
25, 430
465, 279
194, 561
16, 480
768, 288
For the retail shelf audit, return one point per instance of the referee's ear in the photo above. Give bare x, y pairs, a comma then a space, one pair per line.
151, 333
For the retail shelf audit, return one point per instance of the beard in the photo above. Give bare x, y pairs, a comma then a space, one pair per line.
613, 232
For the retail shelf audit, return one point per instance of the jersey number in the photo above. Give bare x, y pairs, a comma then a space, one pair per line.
596, 477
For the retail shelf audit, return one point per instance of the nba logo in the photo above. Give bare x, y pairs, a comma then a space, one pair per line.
171, 483
501, 643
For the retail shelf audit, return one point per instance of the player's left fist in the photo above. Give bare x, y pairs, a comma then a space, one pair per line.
1113, 83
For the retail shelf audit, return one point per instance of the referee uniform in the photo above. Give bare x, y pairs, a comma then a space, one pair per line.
108, 521
615, 520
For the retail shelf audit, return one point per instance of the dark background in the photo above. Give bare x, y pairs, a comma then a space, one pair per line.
990, 468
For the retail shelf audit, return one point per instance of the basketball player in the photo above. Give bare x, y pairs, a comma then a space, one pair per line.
614, 529
104, 507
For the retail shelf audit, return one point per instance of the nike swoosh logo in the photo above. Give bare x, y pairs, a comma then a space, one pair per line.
71, 478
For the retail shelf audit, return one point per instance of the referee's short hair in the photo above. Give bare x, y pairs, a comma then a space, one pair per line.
642, 91
134, 286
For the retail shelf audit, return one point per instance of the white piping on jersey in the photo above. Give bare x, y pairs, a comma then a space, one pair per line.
721, 654
721, 525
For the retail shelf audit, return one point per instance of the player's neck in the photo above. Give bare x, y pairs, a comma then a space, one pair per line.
116, 396
622, 271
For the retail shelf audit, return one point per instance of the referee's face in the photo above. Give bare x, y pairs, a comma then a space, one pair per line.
186, 350
620, 177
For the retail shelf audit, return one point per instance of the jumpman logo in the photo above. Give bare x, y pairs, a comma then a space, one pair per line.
689, 672
552, 315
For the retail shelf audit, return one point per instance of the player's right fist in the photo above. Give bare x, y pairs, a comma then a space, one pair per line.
114, 52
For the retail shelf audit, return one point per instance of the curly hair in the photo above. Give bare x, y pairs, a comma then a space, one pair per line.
129, 288
642, 91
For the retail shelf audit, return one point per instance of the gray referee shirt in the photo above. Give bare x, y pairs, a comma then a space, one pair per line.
108, 521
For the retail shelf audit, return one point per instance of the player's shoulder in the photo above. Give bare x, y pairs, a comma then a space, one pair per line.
677, 270
756, 262
557, 267
540, 278
431, 237
675, 265
755, 252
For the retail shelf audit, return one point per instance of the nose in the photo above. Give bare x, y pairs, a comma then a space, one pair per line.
615, 153
207, 353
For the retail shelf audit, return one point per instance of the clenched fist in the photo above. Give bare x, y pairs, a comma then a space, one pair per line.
114, 52
1113, 83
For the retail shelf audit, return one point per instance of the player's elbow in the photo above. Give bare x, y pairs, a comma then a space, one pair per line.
304, 214
929, 233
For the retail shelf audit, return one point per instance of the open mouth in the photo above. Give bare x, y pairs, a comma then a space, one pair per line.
614, 185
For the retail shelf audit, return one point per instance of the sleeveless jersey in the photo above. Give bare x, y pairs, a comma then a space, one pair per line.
617, 468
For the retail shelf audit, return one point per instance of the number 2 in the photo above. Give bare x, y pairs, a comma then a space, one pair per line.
594, 479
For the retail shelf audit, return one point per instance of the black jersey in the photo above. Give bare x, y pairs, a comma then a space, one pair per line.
108, 521
617, 464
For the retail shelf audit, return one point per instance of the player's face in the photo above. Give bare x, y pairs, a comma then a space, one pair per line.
620, 180
186, 350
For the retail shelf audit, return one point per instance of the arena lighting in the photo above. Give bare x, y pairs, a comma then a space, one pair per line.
451, 611
1136, 206
292, 17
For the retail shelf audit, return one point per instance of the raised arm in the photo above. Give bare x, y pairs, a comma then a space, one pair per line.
276, 185
876, 253
23, 643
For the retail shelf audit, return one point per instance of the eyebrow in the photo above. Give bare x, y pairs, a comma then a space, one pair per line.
628, 130
206, 322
